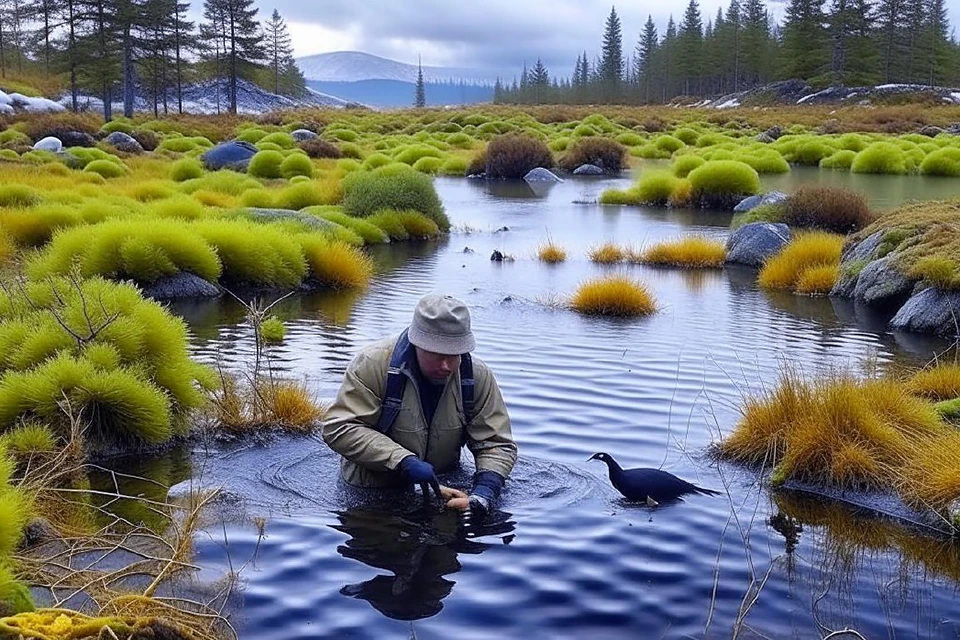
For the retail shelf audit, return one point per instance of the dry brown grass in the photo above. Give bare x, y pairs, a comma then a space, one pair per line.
240, 405
814, 251
693, 252
338, 265
618, 296
607, 253
828, 209
941, 382
551, 253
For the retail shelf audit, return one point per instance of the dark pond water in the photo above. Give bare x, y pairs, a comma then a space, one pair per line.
566, 558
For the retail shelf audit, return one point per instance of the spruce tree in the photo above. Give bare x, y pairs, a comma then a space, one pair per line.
731, 41
611, 60
645, 53
539, 82
420, 91
45, 14
279, 47
690, 49
758, 44
937, 45
235, 23
804, 40
890, 28
184, 40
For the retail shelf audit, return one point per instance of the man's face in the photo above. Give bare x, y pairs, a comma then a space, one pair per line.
436, 367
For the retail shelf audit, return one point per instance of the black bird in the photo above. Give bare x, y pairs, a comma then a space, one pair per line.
652, 486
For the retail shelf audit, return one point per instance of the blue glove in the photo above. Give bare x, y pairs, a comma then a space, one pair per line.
486, 488
419, 472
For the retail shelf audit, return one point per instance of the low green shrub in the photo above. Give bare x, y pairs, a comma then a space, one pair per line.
266, 164
880, 157
842, 159
410, 155
18, 195
106, 168
186, 169
392, 187
428, 165
721, 182
272, 329
656, 187
683, 165
942, 162
296, 164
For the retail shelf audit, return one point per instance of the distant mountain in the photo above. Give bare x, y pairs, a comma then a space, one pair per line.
353, 66
396, 93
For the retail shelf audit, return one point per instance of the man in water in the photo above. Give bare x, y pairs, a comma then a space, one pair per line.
408, 404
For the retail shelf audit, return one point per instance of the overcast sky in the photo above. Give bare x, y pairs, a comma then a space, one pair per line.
494, 34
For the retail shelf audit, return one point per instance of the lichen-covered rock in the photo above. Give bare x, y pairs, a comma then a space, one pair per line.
302, 135
123, 142
77, 139
588, 170
774, 197
234, 154
770, 135
930, 130
880, 284
541, 175
752, 244
49, 143
930, 311
263, 214
846, 283
181, 285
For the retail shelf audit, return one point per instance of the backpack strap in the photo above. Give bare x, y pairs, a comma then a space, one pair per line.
396, 380
467, 385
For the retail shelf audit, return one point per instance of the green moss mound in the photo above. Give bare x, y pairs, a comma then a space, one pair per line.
880, 157
18, 195
254, 254
942, 162
363, 227
721, 182
296, 164
395, 187
106, 168
266, 164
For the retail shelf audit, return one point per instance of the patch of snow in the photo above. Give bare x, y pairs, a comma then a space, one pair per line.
35, 105
812, 96
955, 96
729, 104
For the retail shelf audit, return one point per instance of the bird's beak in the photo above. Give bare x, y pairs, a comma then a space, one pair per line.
593, 457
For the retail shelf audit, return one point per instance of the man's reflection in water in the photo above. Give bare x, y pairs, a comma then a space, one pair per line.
419, 549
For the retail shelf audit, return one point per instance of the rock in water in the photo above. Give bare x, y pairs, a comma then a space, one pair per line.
123, 142
302, 135
930, 311
49, 144
588, 170
233, 154
181, 285
865, 249
752, 244
880, 284
541, 175
747, 204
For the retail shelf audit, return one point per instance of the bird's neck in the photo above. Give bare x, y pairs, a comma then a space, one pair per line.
614, 468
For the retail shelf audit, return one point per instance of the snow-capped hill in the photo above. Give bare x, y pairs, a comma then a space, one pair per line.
213, 97
354, 66
797, 92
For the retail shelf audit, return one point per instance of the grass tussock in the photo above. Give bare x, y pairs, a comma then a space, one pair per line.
940, 382
551, 253
396, 187
693, 252
828, 209
723, 182
812, 251
615, 295
272, 329
514, 155
834, 431
337, 265
609, 155
240, 406
607, 253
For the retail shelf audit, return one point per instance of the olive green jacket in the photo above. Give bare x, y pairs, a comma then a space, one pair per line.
370, 458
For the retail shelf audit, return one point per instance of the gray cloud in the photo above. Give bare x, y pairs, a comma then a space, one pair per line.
499, 35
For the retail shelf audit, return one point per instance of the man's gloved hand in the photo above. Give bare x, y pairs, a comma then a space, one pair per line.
486, 488
419, 472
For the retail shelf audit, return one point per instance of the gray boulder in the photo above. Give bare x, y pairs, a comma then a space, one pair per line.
752, 244
49, 144
765, 138
863, 250
770, 135
880, 284
541, 175
123, 142
747, 204
233, 154
288, 214
930, 131
302, 135
846, 284
588, 170
930, 311
77, 139
181, 285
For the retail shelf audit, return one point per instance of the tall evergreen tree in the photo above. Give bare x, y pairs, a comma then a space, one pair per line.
539, 82
758, 44
690, 50
645, 53
611, 60
279, 47
420, 92
184, 40
940, 64
46, 14
804, 40
235, 22
890, 27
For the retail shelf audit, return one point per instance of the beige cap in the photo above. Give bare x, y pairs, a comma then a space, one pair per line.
441, 324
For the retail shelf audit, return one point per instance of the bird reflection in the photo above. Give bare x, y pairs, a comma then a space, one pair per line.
419, 550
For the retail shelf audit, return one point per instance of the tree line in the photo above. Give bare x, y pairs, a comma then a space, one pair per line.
115, 49
845, 43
